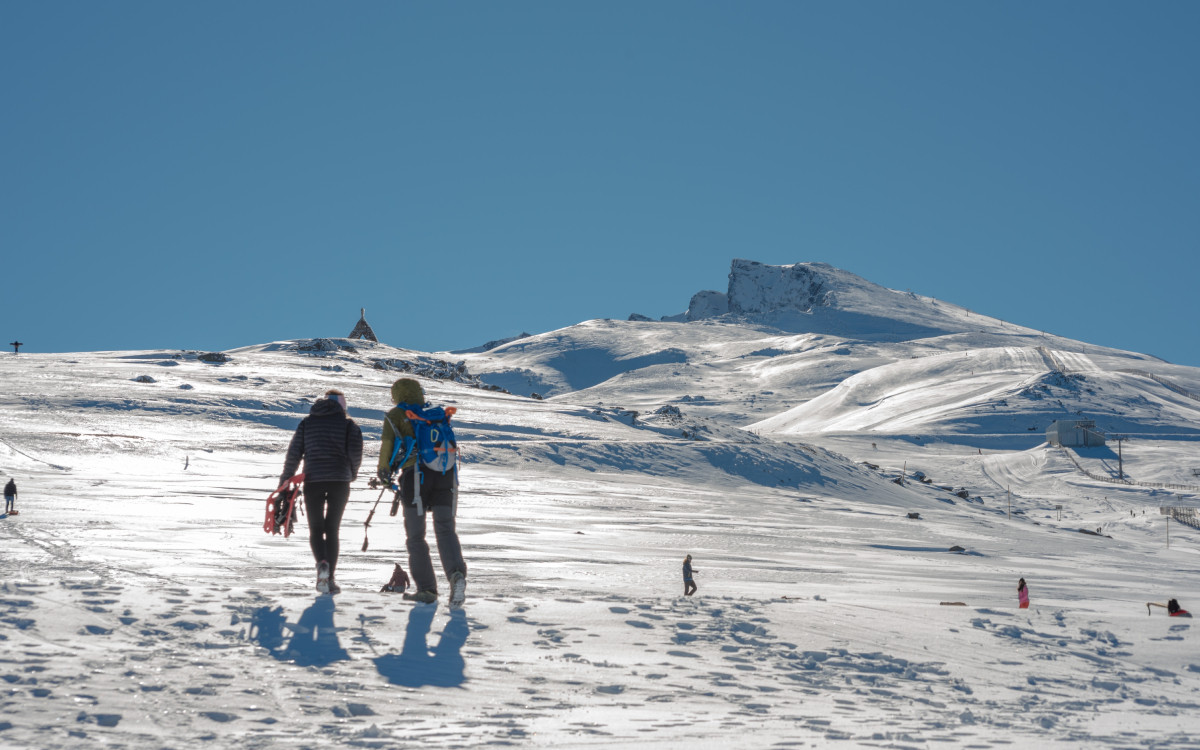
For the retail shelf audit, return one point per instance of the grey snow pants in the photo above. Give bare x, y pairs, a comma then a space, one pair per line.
439, 498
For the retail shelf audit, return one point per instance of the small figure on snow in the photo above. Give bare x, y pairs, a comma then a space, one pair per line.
1022, 594
422, 490
689, 585
398, 582
331, 445
10, 496
1172, 607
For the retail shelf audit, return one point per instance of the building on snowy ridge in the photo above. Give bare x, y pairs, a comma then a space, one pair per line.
1075, 432
362, 330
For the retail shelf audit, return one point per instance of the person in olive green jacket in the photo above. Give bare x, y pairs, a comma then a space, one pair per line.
438, 494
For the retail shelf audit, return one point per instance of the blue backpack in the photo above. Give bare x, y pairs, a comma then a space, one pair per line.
435, 445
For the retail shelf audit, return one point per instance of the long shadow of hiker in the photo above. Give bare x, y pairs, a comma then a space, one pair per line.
416, 665
314, 641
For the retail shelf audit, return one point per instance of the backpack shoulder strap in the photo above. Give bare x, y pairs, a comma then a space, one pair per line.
398, 439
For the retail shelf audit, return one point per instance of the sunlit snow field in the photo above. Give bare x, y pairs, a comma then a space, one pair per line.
143, 606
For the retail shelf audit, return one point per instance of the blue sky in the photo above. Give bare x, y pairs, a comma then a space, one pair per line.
212, 175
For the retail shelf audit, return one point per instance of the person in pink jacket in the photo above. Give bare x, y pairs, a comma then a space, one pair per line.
1023, 594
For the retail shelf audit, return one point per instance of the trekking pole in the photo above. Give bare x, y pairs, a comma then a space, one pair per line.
371, 515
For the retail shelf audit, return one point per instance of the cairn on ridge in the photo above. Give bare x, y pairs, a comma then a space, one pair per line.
363, 329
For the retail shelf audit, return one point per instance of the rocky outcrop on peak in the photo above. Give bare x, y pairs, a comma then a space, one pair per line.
756, 288
817, 297
707, 304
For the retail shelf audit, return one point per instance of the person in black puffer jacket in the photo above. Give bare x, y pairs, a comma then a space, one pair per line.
331, 445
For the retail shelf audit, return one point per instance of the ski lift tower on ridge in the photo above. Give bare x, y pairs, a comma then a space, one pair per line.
363, 329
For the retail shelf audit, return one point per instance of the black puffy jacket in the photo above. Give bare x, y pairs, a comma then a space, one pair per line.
330, 443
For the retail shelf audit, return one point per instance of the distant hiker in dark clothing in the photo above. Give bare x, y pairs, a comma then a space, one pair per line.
331, 445
436, 495
689, 585
1022, 594
10, 495
1174, 610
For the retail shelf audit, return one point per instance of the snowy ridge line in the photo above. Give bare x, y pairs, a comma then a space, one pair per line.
1165, 383
1129, 482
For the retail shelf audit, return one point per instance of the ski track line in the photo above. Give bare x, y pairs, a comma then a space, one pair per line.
17, 450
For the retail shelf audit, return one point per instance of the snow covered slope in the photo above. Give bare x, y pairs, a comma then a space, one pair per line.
888, 469
998, 391
810, 349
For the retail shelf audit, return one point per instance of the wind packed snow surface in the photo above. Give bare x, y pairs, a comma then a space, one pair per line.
143, 606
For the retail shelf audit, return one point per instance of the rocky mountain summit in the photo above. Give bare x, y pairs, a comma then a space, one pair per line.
817, 297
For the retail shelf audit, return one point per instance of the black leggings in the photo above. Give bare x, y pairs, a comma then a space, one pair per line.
325, 502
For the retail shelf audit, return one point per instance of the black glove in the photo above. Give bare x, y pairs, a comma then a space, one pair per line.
384, 476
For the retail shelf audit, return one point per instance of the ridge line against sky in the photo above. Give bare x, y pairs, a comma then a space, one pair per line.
187, 176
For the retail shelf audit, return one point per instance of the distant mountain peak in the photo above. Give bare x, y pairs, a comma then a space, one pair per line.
759, 288
756, 288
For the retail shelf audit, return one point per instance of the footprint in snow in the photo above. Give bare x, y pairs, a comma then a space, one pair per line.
187, 625
219, 716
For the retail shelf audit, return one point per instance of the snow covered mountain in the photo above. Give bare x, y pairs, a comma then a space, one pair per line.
805, 349
842, 460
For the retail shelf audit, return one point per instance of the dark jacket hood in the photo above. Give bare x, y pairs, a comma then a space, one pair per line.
325, 407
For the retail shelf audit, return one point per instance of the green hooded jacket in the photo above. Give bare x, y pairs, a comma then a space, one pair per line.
404, 391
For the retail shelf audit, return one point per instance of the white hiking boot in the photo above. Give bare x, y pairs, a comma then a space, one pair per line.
323, 577
458, 590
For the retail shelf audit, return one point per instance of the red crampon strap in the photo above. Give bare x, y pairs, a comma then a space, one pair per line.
286, 492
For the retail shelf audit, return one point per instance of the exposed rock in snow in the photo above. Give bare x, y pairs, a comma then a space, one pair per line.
493, 344
317, 345
707, 304
758, 288
501, 342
